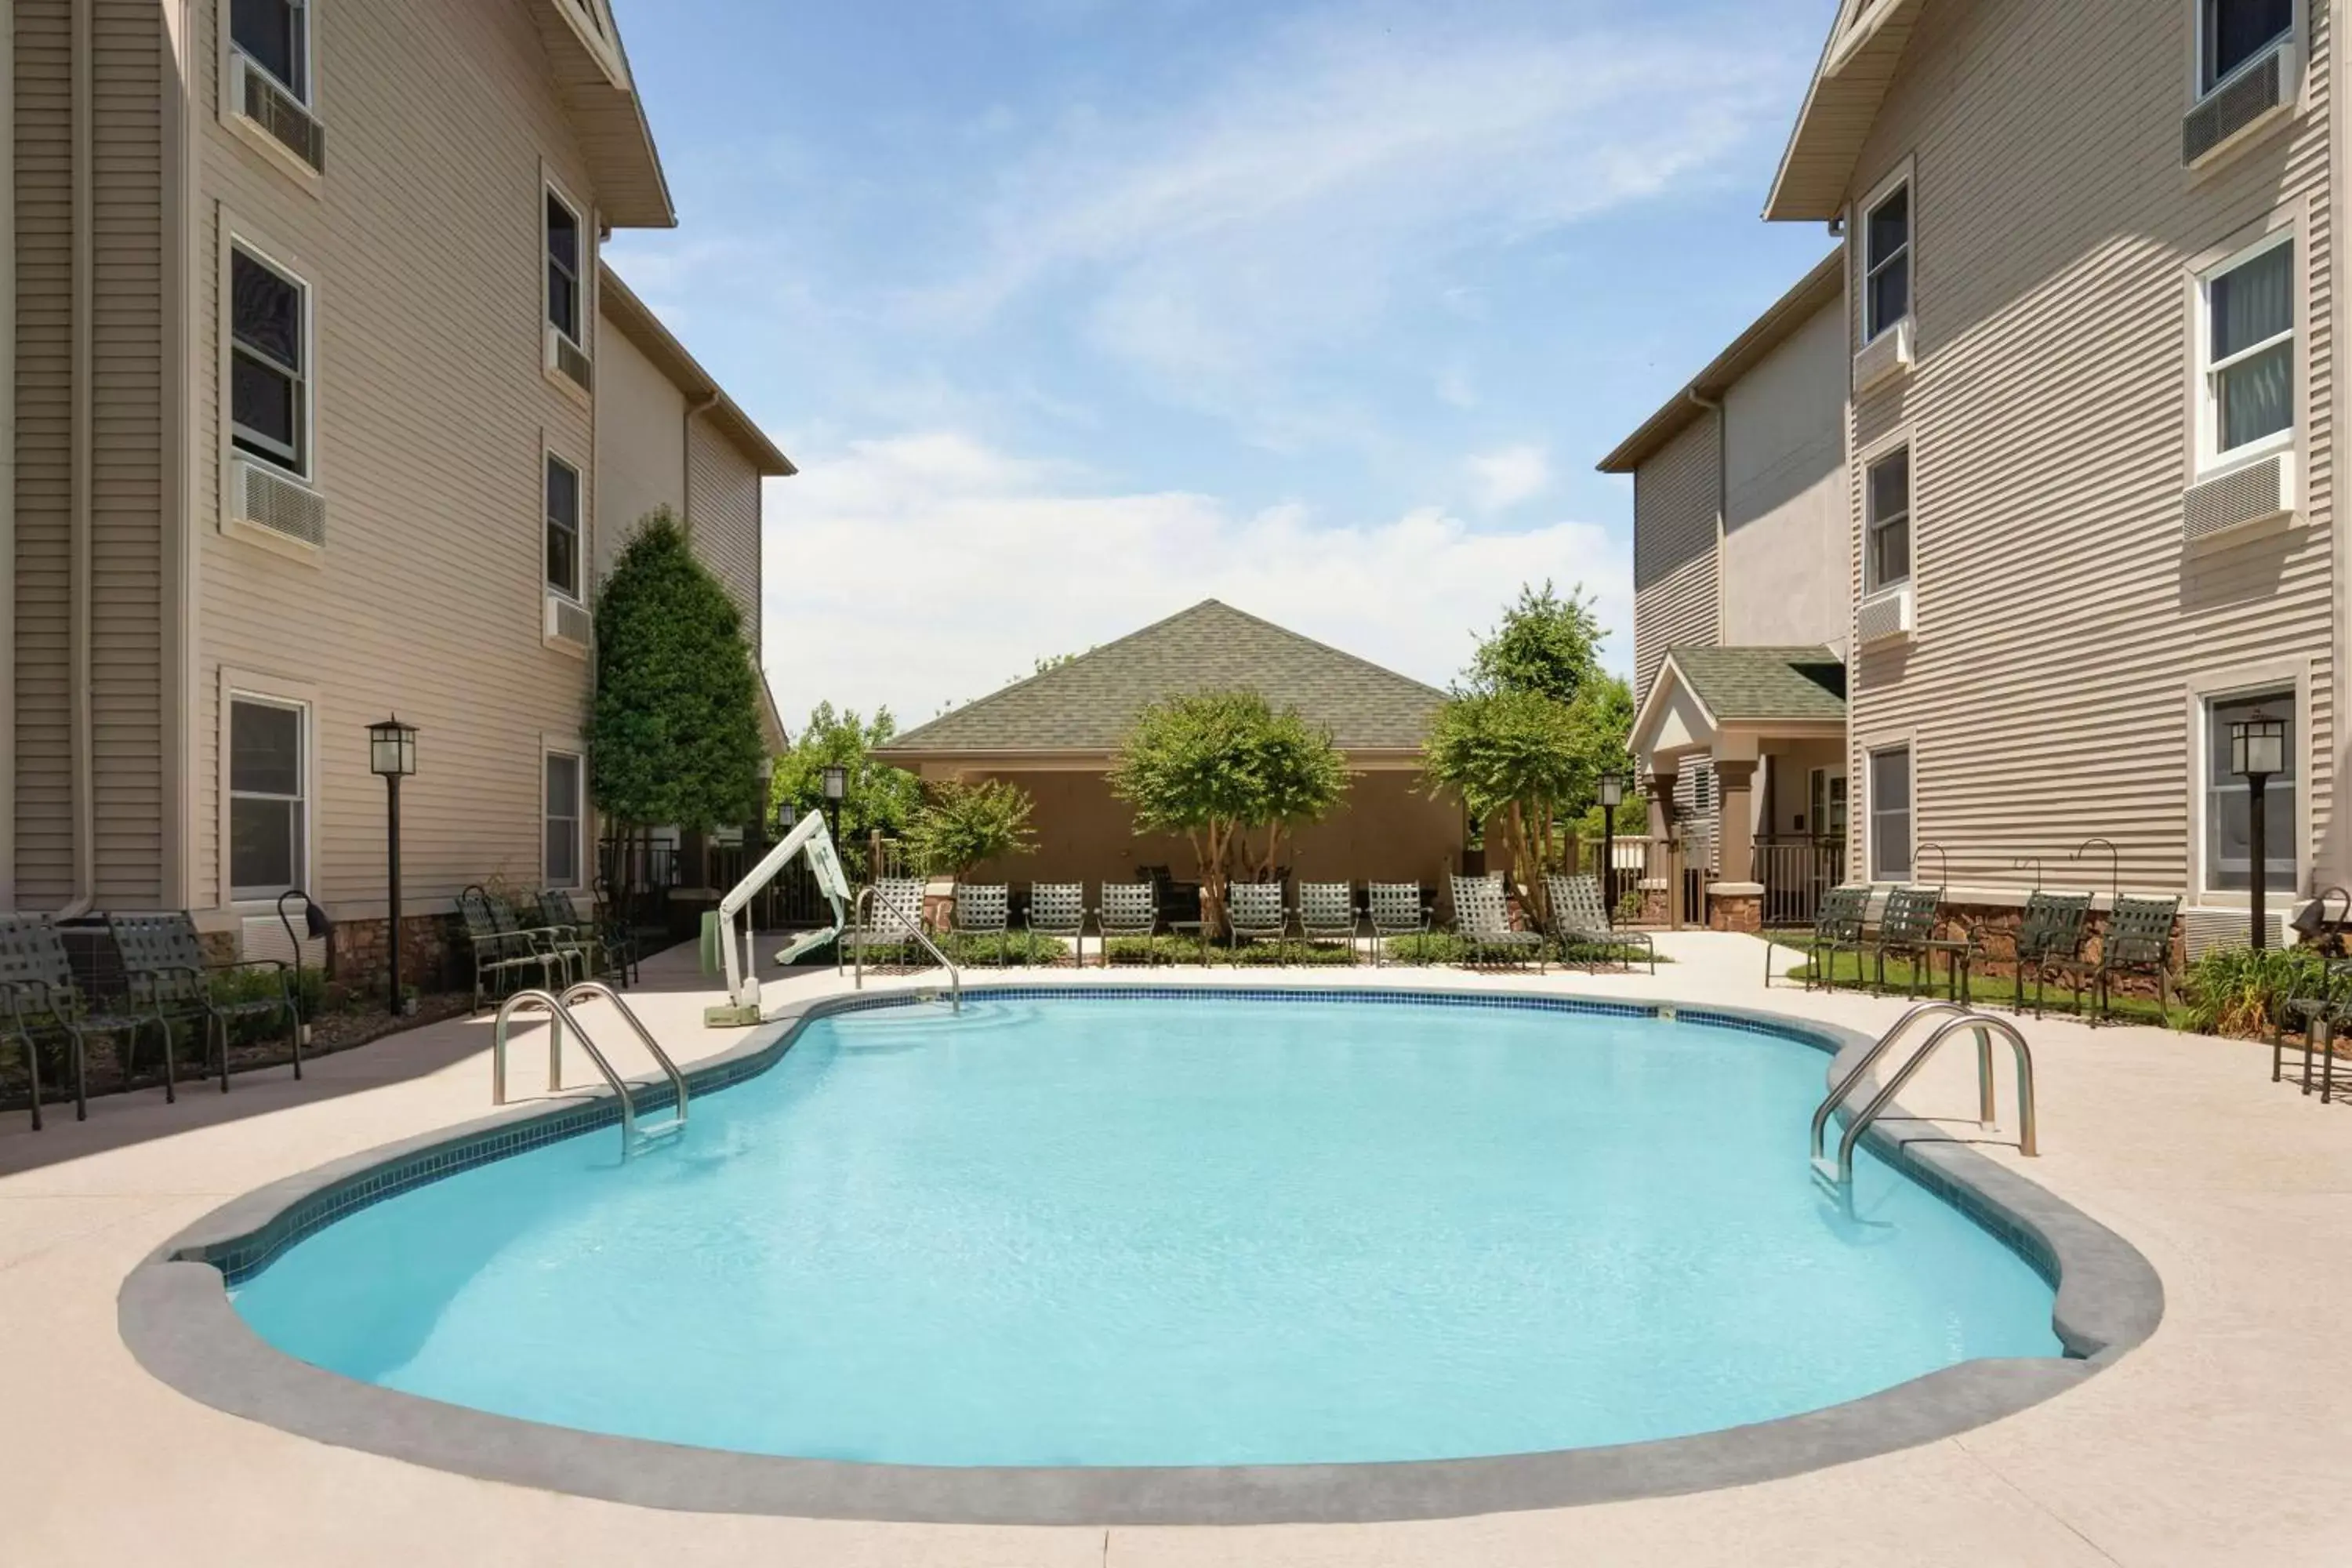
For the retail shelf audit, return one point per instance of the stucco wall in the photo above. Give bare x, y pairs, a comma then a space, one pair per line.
1784, 546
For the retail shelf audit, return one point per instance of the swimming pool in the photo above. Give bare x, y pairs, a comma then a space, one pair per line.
1197, 1230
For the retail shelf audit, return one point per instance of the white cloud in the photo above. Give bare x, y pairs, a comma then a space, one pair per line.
931, 569
1504, 479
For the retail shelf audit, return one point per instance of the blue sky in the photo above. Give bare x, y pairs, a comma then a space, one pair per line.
1073, 312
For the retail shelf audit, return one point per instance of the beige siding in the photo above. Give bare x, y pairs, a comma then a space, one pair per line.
423, 246
640, 441
1674, 566
2059, 623
725, 500
1784, 541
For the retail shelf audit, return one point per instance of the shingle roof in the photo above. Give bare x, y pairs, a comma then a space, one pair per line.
1796, 683
1087, 704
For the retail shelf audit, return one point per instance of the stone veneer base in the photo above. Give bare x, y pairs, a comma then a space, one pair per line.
175, 1315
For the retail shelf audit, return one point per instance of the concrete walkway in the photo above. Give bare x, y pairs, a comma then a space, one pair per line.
2223, 1440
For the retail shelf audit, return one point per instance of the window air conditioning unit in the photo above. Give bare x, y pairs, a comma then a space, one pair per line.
276, 113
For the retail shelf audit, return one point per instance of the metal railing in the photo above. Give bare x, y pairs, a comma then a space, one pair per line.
1982, 1024
1795, 871
913, 926
560, 1017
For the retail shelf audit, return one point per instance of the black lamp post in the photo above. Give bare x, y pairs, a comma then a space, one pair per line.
837, 784
2257, 750
1613, 795
392, 753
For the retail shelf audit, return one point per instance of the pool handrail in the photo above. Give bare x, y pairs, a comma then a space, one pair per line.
596, 990
914, 927
1862, 1064
559, 1016
2027, 1142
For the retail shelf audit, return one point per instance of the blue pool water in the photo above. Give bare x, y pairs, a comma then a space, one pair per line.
1130, 1232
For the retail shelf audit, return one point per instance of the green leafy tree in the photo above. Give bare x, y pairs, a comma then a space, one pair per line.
1543, 643
674, 737
958, 825
1218, 767
876, 796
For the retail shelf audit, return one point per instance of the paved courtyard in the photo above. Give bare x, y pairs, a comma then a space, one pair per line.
2219, 1441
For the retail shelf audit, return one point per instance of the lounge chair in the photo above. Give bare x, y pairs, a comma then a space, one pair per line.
1907, 930
1327, 912
167, 976
2049, 934
1482, 918
40, 999
1254, 913
2137, 940
985, 909
1578, 921
1058, 909
1837, 927
1394, 910
1129, 909
889, 913
558, 914
504, 955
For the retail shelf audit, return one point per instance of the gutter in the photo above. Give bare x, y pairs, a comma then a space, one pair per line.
694, 411
81, 522
1722, 495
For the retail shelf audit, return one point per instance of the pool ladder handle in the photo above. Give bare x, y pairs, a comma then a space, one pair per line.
559, 1011
914, 927
1984, 1026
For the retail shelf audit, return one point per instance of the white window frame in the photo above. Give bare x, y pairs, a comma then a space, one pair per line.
307, 96
584, 266
550, 746
261, 692
306, 466
2222, 685
2201, 88
1871, 813
1871, 582
578, 592
2206, 389
1900, 180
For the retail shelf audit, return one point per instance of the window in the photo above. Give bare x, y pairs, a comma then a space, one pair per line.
1890, 815
268, 362
561, 863
1886, 263
1886, 551
563, 252
275, 36
267, 804
2232, 33
2249, 351
563, 527
2229, 830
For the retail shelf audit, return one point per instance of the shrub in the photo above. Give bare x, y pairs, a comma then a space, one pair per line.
2239, 991
960, 826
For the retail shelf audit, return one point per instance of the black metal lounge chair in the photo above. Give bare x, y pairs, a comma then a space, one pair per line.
2137, 940
1482, 918
43, 1000
2325, 1013
1837, 927
1130, 910
1393, 910
1327, 912
1907, 930
1254, 913
167, 976
1058, 909
985, 909
2049, 936
558, 914
1579, 922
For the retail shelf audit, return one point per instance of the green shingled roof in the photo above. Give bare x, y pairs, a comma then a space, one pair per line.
1794, 683
1087, 704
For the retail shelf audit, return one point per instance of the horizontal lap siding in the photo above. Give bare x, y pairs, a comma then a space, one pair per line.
1674, 570
726, 488
424, 248
2059, 623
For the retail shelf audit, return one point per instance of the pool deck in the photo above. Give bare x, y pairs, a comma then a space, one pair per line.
2223, 1439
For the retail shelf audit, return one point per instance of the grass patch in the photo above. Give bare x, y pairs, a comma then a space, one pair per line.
1858, 972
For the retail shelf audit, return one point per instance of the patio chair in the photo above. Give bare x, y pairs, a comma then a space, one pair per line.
41, 1000
2324, 1012
1578, 921
2137, 940
1129, 909
558, 913
888, 920
1327, 912
1394, 910
1254, 913
1059, 910
166, 976
985, 909
2049, 934
503, 957
1481, 917
1907, 929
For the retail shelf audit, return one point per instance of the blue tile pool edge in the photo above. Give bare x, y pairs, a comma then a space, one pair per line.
2108, 1299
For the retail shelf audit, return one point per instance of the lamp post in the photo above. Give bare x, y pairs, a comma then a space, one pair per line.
392, 753
837, 786
1612, 795
2257, 750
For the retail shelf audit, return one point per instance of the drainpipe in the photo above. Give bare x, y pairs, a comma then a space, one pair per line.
1722, 498
686, 457
79, 521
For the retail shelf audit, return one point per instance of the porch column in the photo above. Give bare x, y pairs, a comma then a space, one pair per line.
1660, 788
1736, 820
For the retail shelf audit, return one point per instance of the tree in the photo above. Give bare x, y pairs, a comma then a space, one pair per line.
674, 736
877, 796
960, 824
1544, 643
1219, 766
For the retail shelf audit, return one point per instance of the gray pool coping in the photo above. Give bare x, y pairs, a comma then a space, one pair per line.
177, 1317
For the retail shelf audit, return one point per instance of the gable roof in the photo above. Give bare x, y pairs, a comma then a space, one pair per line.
590, 68
1818, 288
619, 304
1857, 66
1790, 684
1087, 704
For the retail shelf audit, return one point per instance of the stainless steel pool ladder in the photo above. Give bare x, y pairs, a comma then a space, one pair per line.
914, 927
1984, 1025
560, 1017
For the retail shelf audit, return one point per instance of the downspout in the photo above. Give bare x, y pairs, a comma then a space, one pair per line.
80, 520
686, 457
1722, 497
